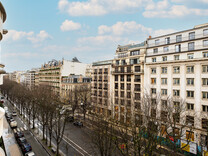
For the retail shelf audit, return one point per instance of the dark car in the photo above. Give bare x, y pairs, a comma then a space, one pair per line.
8, 115
70, 119
21, 141
78, 123
25, 147
19, 135
10, 119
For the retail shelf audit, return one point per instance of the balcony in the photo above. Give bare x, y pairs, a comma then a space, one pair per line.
172, 41
120, 72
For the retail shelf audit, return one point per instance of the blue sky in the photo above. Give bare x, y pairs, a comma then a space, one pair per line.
41, 30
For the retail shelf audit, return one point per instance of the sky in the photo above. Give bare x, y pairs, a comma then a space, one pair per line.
91, 30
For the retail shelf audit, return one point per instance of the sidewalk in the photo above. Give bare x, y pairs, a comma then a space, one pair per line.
10, 143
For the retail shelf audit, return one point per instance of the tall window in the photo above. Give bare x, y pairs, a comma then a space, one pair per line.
164, 81
153, 70
176, 81
153, 80
204, 108
176, 92
205, 43
176, 57
190, 56
164, 91
122, 78
190, 94
205, 32
134, 61
164, 70
165, 49
191, 46
178, 48
205, 68
164, 58
178, 38
154, 59
137, 69
155, 51
153, 90
204, 95
190, 69
205, 81
190, 106
190, 81
191, 35
176, 70
205, 54
167, 40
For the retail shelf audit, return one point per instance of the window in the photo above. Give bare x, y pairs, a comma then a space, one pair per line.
190, 94
205, 82
137, 96
117, 62
204, 123
204, 95
189, 135
176, 57
129, 78
122, 78
167, 40
176, 81
191, 46
176, 70
190, 56
190, 69
164, 70
190, 81
137, 69
134, 61
205, 43
205, 32
164, 91
164, 103
190, 120
153, 70
154, 60
164, 58
190, 106
137, 87
122, 93
178, 48
165, 49
128, 86
153, 80
205, 68
137, 52
176, 92
153, 90
116, 85
155, 51
137, 78
205, 54
178, 38
116, 77
204, 108
122, 86
164, 81
191, 35
157, 42
123, 62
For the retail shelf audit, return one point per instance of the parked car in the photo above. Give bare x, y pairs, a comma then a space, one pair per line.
13, 124
8, 115
14, 113
25, 147
18, 135
78, 123
21, 140
70, 119
31, 153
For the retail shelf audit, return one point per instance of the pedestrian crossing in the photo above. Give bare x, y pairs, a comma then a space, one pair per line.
20, 129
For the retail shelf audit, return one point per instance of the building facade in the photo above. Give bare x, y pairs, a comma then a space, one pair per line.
177, 66
101, 88
128, 77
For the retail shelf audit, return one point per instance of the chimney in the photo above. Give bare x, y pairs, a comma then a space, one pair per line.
150, 37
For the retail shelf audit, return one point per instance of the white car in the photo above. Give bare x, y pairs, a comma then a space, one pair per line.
13, 124
31, 153
14, 113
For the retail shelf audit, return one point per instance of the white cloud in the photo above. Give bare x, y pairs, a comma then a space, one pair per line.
70, 25
14, 35
161, 32
98, 7
163, 9
17, 35
123, 28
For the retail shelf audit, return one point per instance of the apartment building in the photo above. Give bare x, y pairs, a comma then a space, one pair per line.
68, 83
128, 77
101, 88
52, 72
17, 76
177, 66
